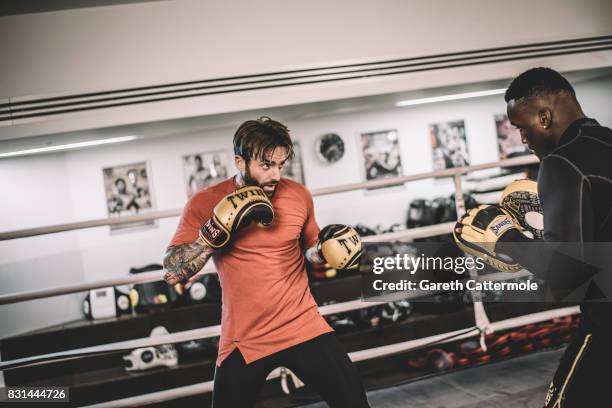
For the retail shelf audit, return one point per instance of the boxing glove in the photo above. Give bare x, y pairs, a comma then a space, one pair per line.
236, 211
520, 198
340, 246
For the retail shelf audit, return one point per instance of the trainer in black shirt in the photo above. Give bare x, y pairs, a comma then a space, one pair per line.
575, 188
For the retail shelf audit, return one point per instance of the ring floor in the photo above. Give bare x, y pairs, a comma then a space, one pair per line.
518, 382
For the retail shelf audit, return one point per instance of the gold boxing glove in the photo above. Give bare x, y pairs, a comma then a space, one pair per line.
340, 246
520, 198
236, 211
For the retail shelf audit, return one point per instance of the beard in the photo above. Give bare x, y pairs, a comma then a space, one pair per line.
249, 180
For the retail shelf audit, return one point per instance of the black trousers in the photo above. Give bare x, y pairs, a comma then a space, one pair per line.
321, 363
582, 378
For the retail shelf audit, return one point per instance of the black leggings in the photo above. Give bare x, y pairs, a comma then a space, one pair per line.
582, 378
321, 363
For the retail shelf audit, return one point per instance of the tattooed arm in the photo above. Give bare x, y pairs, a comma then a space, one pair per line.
181, 262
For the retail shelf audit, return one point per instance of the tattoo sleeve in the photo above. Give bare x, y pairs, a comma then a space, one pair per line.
184, 261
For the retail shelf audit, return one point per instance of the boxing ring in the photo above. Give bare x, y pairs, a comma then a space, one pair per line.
481, 326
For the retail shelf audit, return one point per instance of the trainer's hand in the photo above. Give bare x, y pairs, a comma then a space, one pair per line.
340, 246
479, 230
236, 211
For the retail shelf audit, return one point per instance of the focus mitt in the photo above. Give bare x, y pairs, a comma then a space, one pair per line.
480, 229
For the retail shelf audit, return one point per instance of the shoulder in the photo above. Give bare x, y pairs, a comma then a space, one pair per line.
295, 188
596, 135
591, 137
584, 154
558, 164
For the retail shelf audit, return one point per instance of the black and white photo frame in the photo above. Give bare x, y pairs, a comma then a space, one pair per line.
381, 155
449, 145
203, 169
128, 192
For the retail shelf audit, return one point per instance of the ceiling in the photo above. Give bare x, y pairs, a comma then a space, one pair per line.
284, 113
14, 7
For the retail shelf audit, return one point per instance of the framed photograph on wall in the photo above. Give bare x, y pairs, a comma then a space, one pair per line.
381, 155
508, 138
449, 145
294, 168
204, 169
128, 192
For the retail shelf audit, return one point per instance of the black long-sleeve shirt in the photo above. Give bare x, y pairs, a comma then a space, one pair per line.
575, 189
575, 185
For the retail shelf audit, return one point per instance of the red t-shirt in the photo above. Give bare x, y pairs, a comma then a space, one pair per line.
267, 304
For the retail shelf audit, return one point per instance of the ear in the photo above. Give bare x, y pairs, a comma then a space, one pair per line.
545, 118
240, 163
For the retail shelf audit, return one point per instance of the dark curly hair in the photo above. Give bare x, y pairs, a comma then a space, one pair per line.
255, 138
536, 82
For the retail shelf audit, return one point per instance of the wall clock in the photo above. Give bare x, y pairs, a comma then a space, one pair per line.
330, 148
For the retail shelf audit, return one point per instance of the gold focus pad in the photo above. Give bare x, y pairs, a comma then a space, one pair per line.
489, 235
343, 250
489, 260
479, 240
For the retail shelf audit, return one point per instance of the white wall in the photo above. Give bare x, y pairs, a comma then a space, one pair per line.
149, 43
49, 189
35, 192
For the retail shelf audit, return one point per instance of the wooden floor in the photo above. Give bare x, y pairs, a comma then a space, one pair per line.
519, 382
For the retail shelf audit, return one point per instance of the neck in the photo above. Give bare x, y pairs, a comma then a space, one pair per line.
567, 111
568, 119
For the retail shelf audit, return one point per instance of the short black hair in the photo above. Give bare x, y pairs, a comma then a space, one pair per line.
536, 82
254, 138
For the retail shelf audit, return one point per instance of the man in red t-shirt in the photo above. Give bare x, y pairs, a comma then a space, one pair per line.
269, 317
